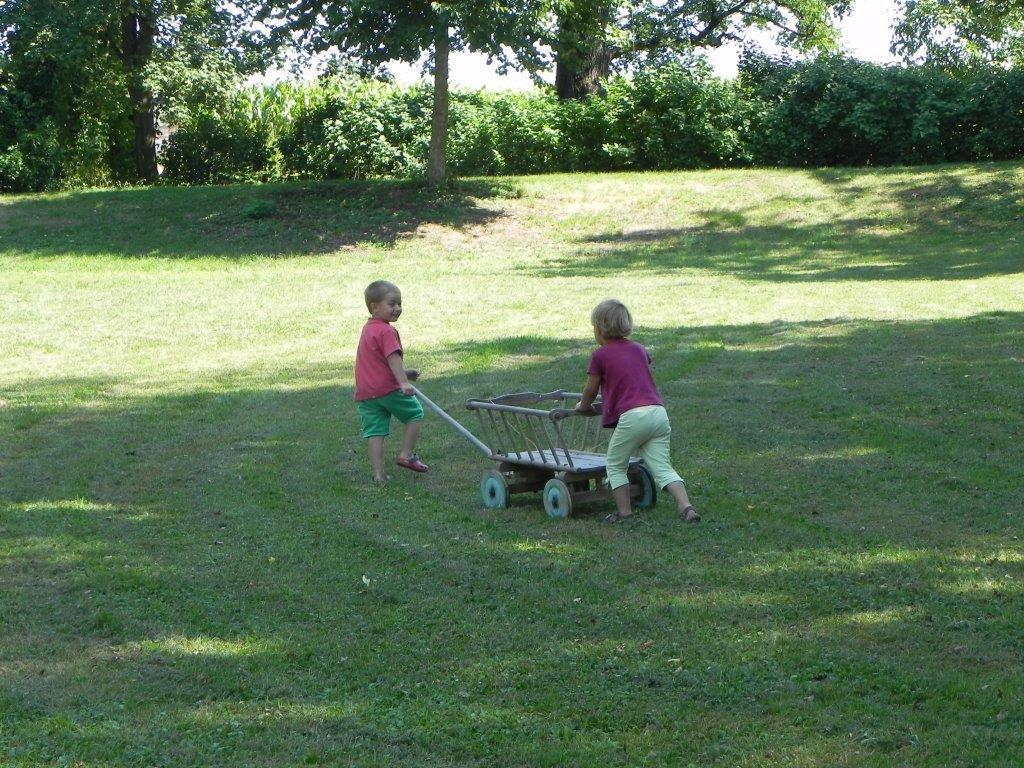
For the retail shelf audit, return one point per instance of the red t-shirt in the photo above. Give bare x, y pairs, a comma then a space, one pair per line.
378, 341
626, 379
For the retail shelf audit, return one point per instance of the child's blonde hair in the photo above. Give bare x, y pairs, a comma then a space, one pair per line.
377, 291
612, 319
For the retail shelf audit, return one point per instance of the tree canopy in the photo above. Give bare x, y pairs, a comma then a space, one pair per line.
961, 32
377, 31
596, 36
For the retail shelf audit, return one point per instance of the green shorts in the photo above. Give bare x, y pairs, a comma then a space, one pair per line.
376, 412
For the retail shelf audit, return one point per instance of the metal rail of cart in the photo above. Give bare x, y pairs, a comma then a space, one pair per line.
540, 443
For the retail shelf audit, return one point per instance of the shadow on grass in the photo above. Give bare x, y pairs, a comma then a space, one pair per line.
956, 228
192, 579
238, 221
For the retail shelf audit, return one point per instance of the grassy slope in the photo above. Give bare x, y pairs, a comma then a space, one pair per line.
183, 562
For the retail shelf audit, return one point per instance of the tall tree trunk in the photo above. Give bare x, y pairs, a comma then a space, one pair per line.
137, 35
583, 73
437, 161
583, 57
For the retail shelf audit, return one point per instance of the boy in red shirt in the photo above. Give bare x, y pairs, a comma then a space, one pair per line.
382, 381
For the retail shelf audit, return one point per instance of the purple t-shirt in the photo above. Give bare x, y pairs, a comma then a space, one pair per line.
626, 380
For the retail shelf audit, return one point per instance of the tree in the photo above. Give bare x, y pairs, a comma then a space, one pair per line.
955, 33
377, 31
594, 36
91, 65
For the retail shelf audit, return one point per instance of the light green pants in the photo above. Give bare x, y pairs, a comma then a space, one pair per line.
642, 432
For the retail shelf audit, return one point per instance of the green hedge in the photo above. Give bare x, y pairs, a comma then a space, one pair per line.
845, 112
833, 111
667, 117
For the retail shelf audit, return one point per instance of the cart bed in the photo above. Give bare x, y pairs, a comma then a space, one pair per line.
582, 461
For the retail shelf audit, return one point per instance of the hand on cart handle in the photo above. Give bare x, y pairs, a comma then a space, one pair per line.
557, 414
411, 374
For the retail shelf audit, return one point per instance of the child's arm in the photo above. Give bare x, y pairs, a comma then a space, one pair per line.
395, 364
590, 390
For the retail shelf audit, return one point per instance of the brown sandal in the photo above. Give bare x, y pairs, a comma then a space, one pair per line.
689, 514
615, 517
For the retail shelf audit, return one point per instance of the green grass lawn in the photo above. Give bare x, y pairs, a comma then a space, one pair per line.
195, 569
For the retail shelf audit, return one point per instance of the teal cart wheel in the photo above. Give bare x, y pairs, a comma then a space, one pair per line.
641, 476
494, 490
557, 498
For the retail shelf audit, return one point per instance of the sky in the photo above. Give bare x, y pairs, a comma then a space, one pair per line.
866, 35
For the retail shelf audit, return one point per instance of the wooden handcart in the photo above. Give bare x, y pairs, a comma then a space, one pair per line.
540, 443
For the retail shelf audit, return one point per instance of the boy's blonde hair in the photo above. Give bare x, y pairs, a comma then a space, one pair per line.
378, 291
612, 319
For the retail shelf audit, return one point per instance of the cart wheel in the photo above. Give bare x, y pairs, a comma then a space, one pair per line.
557, 498
494, 490
641, 475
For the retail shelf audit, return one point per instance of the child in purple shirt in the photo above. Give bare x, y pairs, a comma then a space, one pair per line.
620, 370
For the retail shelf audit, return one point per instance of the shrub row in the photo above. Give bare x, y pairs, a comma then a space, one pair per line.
356, 128
833, 111
829, 112
844, 112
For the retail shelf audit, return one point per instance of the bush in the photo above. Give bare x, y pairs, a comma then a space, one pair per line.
672, 117
214, 148
29, 146
472, 146
33, 163
588, 128
350, 128
991, 121
526, 136
844, 112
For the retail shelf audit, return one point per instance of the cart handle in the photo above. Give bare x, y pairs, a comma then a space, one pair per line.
445, 416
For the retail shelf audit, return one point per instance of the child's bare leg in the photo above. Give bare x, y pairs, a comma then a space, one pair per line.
678, 492
412, 433
622, 502
375, 446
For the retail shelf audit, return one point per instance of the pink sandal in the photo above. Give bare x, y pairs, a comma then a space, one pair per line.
413, 463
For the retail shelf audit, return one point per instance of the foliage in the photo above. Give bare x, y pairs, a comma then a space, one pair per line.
32, 163
591, 128
652, 28
65, 82
238, 141
71, 62
992, 120
217, 148
525, 133
670, 117
376, 31
594, 38
958, 33
841, 112
830, 111
357, 128
838, 111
